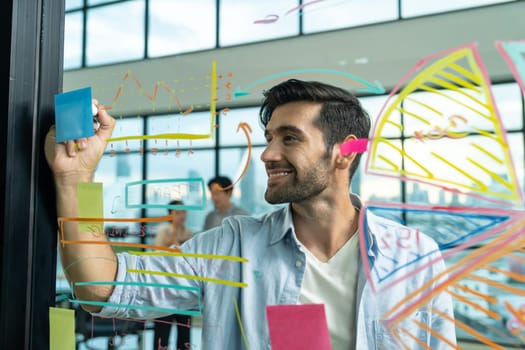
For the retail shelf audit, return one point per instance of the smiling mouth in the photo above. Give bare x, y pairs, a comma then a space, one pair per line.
281, 173
275, 177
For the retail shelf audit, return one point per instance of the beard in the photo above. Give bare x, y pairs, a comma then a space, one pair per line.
312, 183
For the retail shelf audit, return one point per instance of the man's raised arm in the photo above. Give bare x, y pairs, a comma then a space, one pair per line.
73, 162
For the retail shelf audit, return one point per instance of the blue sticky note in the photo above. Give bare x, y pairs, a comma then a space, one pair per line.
73, 115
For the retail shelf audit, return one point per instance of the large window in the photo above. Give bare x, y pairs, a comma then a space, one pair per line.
125, 22
250, 21
181, 26
411, 8
73, 40
343, 14
142, 29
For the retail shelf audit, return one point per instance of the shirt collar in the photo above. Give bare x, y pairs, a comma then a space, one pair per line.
285, 222
374, 225
284, 225
368, 225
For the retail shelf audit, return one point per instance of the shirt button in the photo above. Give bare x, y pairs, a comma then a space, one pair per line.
298, 263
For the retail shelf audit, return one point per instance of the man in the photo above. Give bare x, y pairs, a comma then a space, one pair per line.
172, 234
302, 253
221, 190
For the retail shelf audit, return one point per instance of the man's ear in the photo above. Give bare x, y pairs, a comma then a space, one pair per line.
343, 161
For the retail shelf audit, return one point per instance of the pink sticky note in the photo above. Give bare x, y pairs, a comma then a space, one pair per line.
354, 146
298, 327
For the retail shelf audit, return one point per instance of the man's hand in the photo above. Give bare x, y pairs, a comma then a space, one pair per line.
76, 161
72, 162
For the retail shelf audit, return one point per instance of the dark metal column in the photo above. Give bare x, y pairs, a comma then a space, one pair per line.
31, 72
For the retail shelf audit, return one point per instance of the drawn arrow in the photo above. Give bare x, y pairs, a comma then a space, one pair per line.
150, 96
245, 128
375, 88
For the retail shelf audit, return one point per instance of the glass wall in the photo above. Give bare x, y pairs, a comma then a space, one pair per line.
166, 159
166, 168
157, 158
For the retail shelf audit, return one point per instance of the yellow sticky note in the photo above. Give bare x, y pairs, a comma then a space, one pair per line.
90, 205
61, 329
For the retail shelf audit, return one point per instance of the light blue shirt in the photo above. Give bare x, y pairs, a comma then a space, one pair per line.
234, 317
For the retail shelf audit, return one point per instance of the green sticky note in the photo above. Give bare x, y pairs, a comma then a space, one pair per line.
61, 329
90, 205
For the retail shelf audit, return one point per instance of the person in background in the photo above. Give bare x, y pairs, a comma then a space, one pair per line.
176, 232
221, 189
172, 234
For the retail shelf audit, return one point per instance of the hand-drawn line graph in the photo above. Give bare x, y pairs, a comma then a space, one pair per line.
476, 162
151, 96
179, 136
480, 159
131, 86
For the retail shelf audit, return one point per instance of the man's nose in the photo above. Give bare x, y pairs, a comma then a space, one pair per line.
271, 153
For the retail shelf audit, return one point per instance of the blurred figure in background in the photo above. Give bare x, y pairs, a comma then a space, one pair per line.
221, 189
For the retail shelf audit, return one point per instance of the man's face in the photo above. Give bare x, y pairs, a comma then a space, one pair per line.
296, 159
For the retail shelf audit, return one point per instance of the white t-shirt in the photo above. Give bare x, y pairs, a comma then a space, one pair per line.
334, 283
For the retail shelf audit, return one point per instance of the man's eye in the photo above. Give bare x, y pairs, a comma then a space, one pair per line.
289, 138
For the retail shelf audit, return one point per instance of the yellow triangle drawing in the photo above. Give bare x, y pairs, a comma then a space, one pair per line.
454, 137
